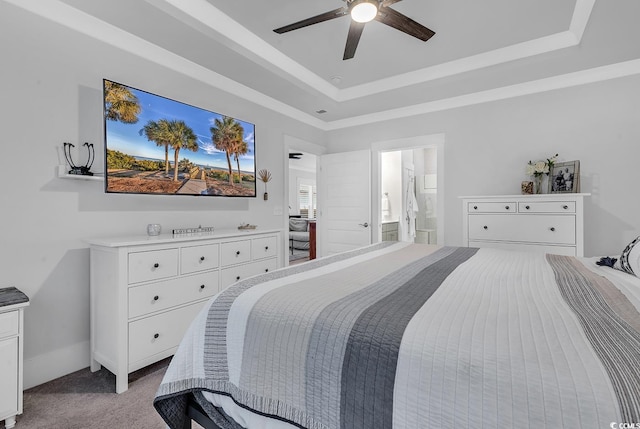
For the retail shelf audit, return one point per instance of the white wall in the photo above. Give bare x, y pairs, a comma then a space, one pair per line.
51, 92
488, 145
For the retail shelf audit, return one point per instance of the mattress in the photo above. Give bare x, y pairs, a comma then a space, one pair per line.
415, 336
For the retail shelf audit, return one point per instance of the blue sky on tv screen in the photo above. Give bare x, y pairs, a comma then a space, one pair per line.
126, 138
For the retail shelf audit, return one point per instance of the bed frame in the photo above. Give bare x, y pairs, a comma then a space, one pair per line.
196, 413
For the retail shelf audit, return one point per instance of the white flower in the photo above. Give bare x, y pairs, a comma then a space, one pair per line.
540, 166
530, 170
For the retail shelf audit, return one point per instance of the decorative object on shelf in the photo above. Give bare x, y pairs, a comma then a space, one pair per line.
539, 170
154, 229
565, 178
265, 176
526, 187
84, 170
247, 226
200, 229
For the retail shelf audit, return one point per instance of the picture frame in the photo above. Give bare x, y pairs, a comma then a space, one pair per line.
564, 178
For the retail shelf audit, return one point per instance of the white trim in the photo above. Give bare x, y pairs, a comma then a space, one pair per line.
72, 18
56, 363
568, 80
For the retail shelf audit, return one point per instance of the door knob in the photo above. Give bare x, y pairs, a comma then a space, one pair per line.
366, 224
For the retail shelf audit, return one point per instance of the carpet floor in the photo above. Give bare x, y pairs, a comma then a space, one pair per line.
86, 400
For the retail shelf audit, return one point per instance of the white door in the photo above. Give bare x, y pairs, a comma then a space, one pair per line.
344, 198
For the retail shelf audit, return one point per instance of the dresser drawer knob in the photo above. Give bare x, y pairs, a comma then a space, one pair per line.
237, 278
475, 207
552, 229
565, 207
527, 207
237, 253
485, 227
155, 298
156, 265
506, 207
266, 270
266, 247
201, 287
201, 258
156, 336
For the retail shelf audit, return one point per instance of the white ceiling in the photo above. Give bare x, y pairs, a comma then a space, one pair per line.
480, 48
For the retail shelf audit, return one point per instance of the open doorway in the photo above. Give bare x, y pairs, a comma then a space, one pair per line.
408, 200
408, 183
303, 206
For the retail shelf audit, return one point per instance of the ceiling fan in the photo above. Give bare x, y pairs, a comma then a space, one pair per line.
363, 11
295, 155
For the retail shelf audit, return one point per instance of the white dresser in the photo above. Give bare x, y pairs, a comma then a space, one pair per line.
550, 223
12, 304
145, 291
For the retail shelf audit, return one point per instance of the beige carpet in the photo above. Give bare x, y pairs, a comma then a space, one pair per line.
86, 400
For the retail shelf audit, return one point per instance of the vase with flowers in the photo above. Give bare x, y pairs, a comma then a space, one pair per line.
539, 170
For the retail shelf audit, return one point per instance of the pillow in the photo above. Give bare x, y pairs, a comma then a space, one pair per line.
296, 224
630, 258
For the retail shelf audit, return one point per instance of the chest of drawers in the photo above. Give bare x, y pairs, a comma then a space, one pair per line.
145, 291
550, 223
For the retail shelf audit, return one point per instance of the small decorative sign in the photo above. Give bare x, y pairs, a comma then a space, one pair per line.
197, 230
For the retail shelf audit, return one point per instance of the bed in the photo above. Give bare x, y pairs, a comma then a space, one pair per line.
401, 336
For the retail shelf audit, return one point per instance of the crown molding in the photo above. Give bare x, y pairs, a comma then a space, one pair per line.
76, 20
231, 33
582, 77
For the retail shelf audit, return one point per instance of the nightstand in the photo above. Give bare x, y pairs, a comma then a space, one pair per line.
12, 304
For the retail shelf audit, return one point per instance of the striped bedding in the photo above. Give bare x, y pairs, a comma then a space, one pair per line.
414, 336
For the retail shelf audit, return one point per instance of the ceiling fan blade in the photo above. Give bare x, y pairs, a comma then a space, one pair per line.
337, 13
355, 31
386, 3
403, 23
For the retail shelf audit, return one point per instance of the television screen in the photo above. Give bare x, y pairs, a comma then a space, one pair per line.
155, 145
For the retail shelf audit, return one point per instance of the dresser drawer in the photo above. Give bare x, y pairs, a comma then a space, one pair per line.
8, 324
547, 207
266, 247
151, 297
235, 252
492, 207
554, 229
231, 275
160, 333
152, 265
198, 258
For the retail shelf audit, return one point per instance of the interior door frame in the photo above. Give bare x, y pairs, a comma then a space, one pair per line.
418, 142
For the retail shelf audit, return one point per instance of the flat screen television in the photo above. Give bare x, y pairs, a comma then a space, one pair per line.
155, 145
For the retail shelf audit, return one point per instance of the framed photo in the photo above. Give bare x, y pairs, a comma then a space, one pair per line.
565, 177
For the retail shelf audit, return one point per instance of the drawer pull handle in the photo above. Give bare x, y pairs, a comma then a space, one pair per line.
485, 227
527, 207
475, 207
237, 278
237, 253
156, 265
201, 258
506, 207
565, 207
201, 286
266, 247
266, 270
552, 229
155, 298
156, 336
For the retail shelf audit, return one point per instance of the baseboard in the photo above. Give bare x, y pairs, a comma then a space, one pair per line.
54, 364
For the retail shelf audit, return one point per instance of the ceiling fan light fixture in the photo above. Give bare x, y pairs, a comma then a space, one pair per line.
364, 11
